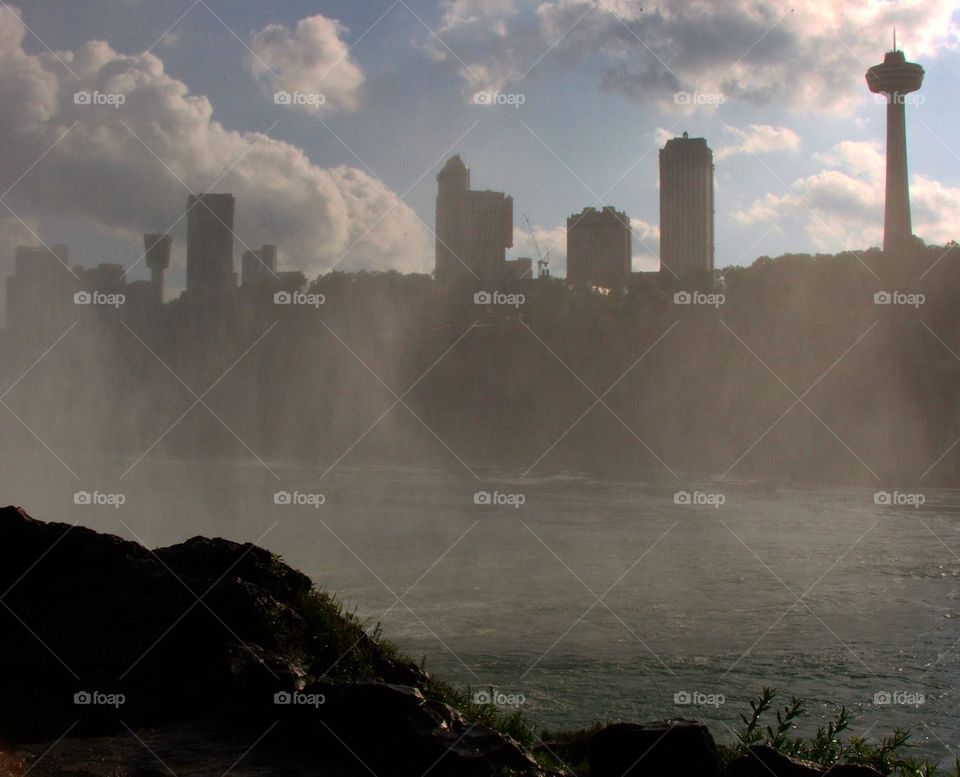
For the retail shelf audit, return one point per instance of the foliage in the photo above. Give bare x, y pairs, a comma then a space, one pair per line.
889, 755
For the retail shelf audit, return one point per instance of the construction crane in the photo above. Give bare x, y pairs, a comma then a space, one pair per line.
543, 259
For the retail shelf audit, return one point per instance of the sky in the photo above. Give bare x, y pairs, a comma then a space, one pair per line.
562, 104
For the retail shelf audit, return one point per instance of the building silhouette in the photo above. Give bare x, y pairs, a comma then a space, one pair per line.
520, 269
40, 291
686, 206
474, 229
896, 78
258, 265
157, 251
210, 273
599, 249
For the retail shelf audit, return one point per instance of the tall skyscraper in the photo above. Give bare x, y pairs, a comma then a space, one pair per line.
896, 78
686, 206
40, 291
599, 249
474, 229
210, 245
259, 265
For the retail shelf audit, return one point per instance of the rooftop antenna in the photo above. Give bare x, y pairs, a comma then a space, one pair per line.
894, 38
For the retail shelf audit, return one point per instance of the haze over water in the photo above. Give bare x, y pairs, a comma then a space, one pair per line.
694, 599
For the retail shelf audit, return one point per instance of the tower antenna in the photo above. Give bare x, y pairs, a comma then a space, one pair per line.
894, 38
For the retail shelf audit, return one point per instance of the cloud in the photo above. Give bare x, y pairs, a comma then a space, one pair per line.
841, 206
117, 168
646, 245
312, 61
759, 139
757, 51
552, 242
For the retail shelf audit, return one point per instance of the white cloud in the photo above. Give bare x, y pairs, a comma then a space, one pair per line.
646, 245
841, 206
552, 242
311, 60
759, 139
111, 168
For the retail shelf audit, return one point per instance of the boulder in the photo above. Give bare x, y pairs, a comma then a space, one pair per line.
100, 636
764, 761
663, 749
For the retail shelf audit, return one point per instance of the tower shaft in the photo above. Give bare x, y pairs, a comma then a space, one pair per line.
897, 227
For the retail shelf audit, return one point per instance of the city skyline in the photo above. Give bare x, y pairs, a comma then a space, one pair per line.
792, 160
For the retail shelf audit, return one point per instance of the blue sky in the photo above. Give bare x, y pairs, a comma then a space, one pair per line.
798, 138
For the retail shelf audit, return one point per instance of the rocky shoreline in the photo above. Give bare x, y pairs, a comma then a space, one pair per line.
212, 656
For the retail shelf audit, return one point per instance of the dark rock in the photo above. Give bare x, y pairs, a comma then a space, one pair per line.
413, 734
764, 761
208, 630
665, 748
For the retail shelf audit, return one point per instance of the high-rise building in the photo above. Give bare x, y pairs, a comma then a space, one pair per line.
686, 206
210, 233
40, 291
474, 228
259, 265
157, 251
599, 249
895, 78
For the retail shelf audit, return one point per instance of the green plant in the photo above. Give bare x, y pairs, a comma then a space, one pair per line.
888, 756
